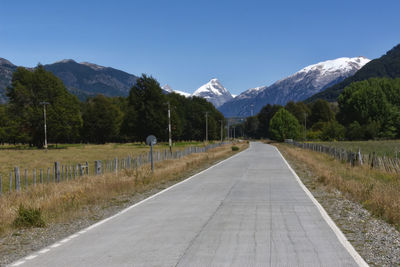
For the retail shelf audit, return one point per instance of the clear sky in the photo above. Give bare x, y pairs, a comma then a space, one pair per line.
244, 44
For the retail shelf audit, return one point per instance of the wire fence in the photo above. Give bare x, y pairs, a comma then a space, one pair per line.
21, 179
372, 160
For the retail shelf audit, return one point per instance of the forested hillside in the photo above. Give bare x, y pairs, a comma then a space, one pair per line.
386, 66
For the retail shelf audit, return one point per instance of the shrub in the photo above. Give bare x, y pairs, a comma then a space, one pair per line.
235, 148
333, 131
29, 217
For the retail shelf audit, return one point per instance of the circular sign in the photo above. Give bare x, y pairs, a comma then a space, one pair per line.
151, 140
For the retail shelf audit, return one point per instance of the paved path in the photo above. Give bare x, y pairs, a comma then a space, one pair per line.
247, 211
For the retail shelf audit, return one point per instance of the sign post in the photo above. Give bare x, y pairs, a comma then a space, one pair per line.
150, 141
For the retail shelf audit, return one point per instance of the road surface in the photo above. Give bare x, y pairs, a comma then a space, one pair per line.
249, 210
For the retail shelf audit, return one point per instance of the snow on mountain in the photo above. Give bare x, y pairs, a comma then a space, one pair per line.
168, 89
93, 66
214, 92
297, 87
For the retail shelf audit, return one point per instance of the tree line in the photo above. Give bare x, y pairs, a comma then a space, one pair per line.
365, 110
100, 119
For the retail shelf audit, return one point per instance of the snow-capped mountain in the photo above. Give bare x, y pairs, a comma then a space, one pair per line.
214, 92
297, 87
168, 89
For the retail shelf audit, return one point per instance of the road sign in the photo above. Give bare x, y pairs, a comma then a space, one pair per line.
151, 140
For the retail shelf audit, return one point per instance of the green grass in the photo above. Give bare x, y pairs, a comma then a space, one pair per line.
381, 148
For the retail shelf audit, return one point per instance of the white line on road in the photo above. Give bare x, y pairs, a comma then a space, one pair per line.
57, 244
342, 238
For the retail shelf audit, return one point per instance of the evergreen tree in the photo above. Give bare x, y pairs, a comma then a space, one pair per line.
101, 120
146, 111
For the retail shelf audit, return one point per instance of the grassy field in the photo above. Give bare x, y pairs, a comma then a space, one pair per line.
30, 158
381, 148
377, 191
62, 202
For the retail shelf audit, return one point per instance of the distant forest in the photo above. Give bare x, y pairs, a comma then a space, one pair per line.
99, 119
365, 110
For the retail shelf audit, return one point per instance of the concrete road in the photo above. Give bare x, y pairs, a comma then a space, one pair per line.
249, 210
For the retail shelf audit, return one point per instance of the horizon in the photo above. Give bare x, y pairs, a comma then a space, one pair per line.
173, 47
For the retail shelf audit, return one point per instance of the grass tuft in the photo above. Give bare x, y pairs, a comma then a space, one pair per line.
28, 217
235, 148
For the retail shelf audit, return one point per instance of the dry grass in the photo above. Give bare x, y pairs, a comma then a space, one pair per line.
68, 154
68, 200
29, 159
378, 192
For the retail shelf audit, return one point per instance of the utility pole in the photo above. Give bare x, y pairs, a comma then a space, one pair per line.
206, 126
305, 126
228, 128
169, 128
234, 133
221, 129
45, 124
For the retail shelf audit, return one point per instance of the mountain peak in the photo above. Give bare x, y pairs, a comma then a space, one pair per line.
65, 61
214, 92
168, 89
4, 61
342, 64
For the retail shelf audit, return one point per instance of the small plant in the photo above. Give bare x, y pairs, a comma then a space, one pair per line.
235, 148
29, 217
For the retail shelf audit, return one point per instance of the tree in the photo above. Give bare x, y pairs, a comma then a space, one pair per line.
28, 89
284, 125
332, 130
374, 104
101, 120
146, 111
321, 112
300, 110
251, 126
264, 117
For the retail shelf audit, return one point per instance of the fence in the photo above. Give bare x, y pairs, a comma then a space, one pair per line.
355, 158
19, 181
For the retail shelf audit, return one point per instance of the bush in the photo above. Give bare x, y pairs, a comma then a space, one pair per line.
29, 217
235, 148
333, 131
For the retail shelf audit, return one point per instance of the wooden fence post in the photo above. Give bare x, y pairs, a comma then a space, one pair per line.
57, 171
17, 179
10, 184
116, 165
26, 180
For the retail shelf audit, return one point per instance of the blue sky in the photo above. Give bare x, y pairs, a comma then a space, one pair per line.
185, 43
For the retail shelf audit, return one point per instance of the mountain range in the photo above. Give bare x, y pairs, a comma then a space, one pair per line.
82, 79
297, 87
87, 79
387, 65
